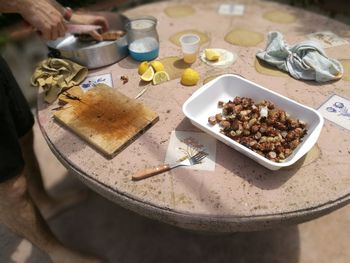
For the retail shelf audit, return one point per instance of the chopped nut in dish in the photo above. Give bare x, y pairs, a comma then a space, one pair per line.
262, 127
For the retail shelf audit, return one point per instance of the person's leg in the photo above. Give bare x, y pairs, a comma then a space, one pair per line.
47, 205
17, 209
35, 183
18, 212
16, 112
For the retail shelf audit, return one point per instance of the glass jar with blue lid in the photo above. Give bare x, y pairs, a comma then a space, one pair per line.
143, 38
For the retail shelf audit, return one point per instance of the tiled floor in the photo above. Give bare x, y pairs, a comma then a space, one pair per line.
100, 227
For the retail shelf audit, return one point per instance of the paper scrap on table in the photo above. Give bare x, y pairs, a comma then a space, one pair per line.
327, 39
92, 81
337, 110
183, 143
231, 9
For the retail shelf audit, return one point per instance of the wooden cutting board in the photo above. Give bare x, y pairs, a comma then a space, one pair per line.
105, 118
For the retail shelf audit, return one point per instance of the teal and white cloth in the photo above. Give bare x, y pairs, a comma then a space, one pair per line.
306, 60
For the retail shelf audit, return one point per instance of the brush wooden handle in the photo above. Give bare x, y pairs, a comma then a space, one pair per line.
148, 172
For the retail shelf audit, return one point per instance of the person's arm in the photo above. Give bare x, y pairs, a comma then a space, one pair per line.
41, 14
82, 18
48, 17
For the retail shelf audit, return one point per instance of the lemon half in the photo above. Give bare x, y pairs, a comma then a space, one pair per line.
148, 75
143, 67
160, 77
211, 54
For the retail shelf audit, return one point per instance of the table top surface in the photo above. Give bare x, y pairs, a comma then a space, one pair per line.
238, 191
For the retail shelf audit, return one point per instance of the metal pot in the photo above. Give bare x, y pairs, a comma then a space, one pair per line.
91, 54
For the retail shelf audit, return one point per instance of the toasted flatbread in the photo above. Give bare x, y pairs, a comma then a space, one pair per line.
106, 36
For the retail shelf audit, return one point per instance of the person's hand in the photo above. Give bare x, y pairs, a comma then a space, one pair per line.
89, 19
44, 17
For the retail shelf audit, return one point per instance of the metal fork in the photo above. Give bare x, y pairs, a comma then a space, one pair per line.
143, 174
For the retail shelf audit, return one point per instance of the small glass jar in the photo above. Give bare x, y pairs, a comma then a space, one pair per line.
143, 38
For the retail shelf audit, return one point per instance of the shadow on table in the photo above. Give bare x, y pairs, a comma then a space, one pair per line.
128, 63
244, 167
318, 84
62, 140
98, 226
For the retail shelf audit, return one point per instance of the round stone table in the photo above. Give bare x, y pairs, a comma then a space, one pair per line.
238, 194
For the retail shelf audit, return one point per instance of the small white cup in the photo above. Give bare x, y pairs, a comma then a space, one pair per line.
190, 47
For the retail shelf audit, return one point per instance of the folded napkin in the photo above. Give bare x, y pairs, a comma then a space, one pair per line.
305, 60
56, 75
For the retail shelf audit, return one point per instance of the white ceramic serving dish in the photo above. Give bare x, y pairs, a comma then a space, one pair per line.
203, 104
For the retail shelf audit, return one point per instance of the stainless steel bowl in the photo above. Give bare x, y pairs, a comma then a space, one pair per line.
93, 54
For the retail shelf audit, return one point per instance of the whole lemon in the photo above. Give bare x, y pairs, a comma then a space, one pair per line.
157, 66
189, 77
143, 67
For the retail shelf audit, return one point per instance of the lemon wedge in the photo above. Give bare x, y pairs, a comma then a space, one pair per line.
157, 66
189, 77
143, 67
211, 54
160, 77
148, 75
